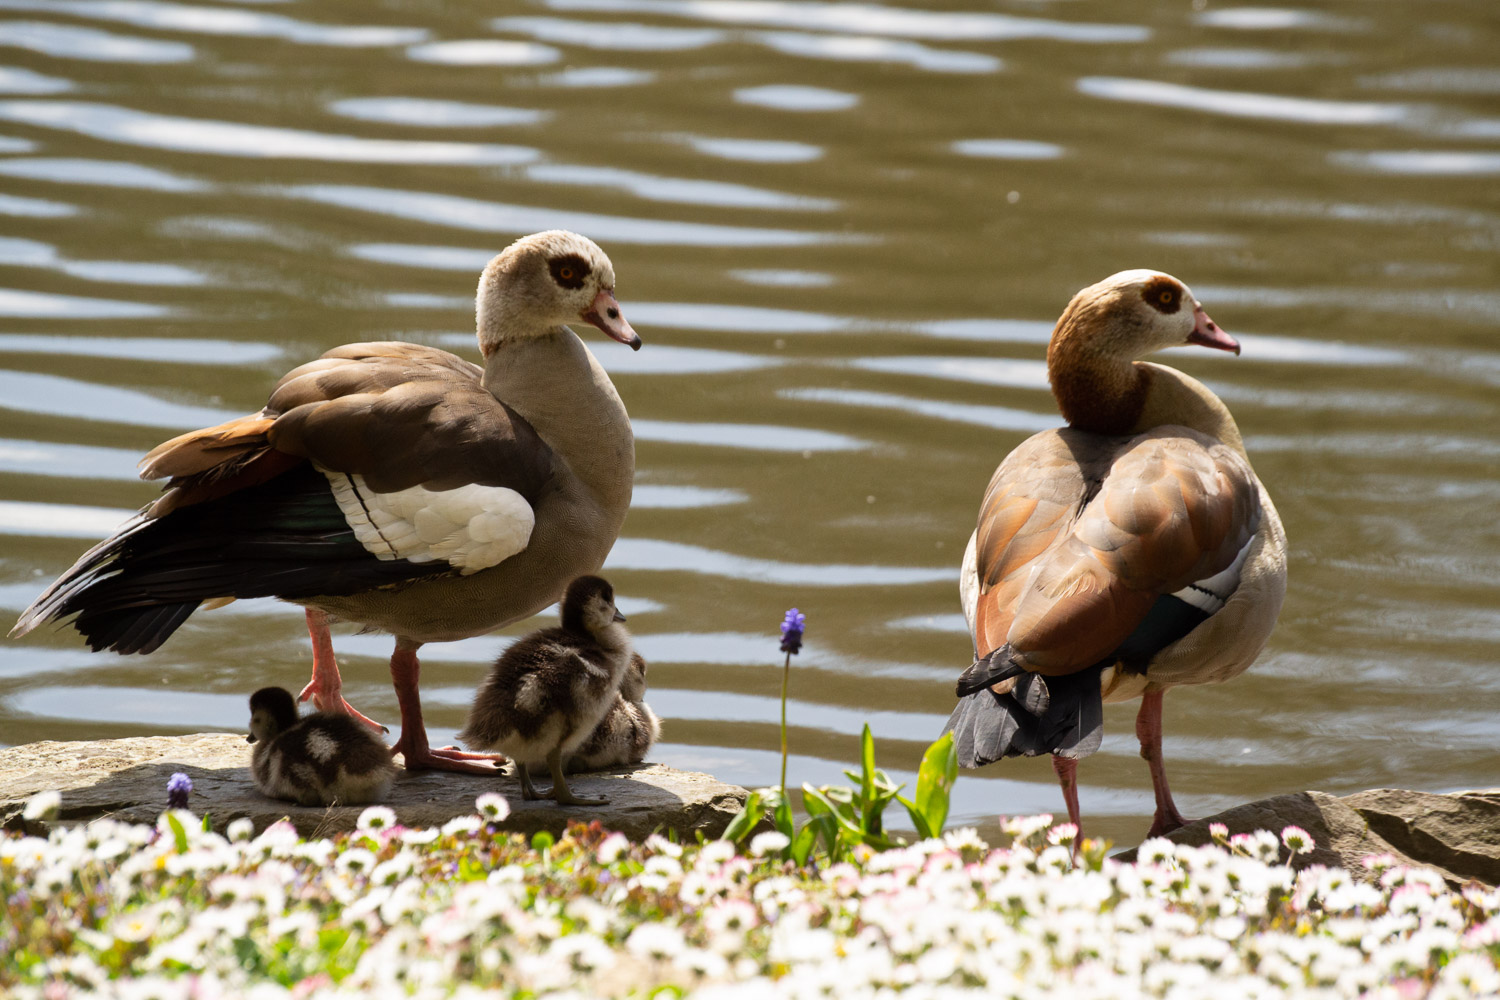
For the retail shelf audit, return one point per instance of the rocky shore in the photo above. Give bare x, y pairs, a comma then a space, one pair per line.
126, 780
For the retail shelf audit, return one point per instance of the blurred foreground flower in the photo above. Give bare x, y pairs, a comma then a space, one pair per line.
179, 787
42, 806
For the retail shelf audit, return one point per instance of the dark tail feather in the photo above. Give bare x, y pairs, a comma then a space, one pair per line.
1062, 716
133, 630
986, 670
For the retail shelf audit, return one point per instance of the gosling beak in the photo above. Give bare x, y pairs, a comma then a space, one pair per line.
604, 312
1206, 333
250, 738
619, 617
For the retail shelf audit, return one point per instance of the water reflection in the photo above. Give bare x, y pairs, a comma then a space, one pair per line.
15, 80
205, 20
870, 19
67, 41
33, 392
791, 97
682, 190
1239, 104
484, 52
55, 520
39, 458
195, 135
31, 253
655, 555
863, 48
425, 113
100, 173
999, 417
611, 36
985, 371
489, 216
35, 208
754, 150
1423, 163
762, 437
598, 76
45, 305
177, 351
1008, 149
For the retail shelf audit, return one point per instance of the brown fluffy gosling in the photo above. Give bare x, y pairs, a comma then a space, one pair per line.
549, 691
327, 758
627, 733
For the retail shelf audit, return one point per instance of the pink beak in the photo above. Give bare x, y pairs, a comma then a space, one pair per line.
604, 312
1206, 333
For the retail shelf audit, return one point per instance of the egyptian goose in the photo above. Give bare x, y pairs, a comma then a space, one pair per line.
628, 730
327, 758
549, 690
1129, 552
392, 485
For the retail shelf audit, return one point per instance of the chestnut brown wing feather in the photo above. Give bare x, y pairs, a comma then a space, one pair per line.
1081, 533
397, 414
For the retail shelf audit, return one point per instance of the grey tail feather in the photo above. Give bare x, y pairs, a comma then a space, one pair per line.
993, 668
1062, 716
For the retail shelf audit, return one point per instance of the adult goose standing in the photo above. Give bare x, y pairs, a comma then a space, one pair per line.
1131, 551
392, 485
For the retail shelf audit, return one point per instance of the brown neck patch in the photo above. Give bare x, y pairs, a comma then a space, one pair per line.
1095, 390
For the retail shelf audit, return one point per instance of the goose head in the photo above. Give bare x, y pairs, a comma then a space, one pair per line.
1105, 328
544, 281
1134, 313
273, 711
589, 606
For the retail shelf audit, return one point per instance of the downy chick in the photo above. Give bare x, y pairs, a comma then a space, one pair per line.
327, 758
627, 733
550, 689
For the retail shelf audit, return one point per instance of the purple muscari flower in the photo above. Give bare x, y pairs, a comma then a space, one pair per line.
179, 787
791, 631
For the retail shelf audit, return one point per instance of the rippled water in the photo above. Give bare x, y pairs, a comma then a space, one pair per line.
844, 231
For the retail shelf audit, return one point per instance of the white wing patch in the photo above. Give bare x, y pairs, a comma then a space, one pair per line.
1211, 594
473, 527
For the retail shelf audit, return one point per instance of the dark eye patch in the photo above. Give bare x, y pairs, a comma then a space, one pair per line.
1163, 294
570, 270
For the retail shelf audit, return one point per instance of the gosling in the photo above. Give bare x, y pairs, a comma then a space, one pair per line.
327, 758
627, 732
548, 692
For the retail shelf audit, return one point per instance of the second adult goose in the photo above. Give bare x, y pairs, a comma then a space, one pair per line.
1132, 551
393, 485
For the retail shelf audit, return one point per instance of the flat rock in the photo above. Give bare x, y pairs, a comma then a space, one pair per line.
127, 780
1455, 834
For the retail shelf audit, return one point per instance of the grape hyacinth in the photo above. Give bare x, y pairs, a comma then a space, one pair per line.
179, 787
791, 631
791, 642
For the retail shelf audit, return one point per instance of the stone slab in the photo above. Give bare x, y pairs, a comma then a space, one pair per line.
1456, 834
127, 779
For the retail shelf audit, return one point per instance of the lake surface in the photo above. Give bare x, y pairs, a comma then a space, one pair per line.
844, 232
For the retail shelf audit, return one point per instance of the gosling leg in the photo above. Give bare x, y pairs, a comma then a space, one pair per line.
560, 791
528, 790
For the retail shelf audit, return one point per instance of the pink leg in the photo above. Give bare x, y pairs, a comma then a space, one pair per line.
326, 687
1148, 731
1067, 776
418, 756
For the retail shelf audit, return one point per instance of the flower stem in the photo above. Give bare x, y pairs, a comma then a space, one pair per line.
786, 675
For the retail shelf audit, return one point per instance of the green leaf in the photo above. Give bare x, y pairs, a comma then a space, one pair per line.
207, 827
782, 816
802, 844
542, 840
178, 833
918, 819
867, 762
746, 820
935, 780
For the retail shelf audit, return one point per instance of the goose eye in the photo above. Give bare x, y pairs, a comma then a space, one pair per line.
1166, 296
565, 273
